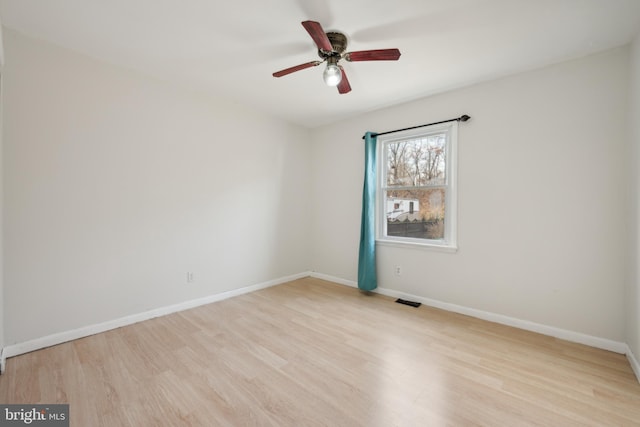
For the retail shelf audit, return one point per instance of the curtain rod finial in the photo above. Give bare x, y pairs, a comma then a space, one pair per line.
464, 118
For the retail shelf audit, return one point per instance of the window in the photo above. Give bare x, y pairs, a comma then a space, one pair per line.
416, 189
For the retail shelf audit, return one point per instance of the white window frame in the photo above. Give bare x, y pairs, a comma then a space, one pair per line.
449, 242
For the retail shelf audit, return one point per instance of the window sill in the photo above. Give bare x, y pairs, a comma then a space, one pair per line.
419, 246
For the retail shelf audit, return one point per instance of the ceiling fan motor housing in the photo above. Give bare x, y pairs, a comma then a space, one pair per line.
338, 43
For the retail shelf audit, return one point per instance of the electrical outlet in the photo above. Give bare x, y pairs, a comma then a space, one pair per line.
190, 278
398, 270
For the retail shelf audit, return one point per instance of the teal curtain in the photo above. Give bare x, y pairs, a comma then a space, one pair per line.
367, 278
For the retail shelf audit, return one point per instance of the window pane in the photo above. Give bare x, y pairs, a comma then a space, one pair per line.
416, 162
416, 213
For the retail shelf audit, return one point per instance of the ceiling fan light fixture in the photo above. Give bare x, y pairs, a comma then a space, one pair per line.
332, 75
331, 49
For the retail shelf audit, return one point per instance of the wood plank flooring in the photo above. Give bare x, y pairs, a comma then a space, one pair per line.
312, 353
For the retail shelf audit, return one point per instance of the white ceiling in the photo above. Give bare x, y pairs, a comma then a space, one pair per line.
232, 48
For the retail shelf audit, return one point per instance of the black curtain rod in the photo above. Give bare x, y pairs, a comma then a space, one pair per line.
462, 118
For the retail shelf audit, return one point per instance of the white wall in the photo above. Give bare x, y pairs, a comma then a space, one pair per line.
542, 197
633, 293
116, 185
1, 208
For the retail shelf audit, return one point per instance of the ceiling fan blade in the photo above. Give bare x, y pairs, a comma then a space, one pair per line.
344, 86
296, 68
318, 35
373, 55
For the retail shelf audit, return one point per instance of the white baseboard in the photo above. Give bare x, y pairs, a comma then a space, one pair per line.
3, 361
577, 337
59, 338
334, 279
633, 362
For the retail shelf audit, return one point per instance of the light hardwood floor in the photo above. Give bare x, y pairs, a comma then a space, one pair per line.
312, 353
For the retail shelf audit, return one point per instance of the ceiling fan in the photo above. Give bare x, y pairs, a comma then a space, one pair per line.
331, 48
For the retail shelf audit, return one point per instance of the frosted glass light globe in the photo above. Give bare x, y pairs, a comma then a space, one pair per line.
332, 75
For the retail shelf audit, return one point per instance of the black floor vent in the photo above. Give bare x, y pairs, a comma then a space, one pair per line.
411, 303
